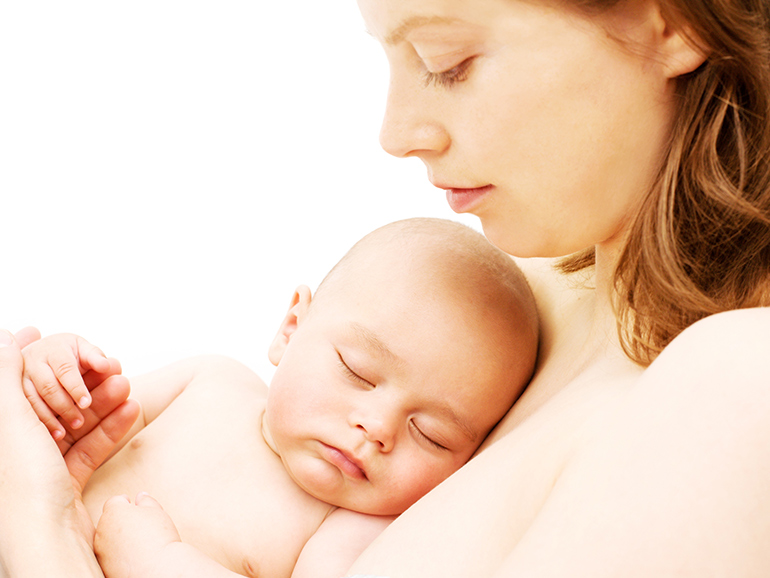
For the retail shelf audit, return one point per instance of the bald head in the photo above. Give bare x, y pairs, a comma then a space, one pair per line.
449, 262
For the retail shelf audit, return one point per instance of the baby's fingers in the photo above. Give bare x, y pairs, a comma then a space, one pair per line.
44, 413
93, 378
57, 392
67, 373
91, 357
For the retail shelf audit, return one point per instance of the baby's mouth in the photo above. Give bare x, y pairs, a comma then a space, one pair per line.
345, 462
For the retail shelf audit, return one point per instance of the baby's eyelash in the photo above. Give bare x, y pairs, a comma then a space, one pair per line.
449, 78
426, 438
352, 374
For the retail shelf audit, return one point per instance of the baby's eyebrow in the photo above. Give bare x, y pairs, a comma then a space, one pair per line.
376, 346
448, 413
372, 343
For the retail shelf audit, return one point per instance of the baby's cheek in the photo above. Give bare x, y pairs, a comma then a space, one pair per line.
426, 476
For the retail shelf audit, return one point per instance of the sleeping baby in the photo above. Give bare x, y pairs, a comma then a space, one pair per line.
387, 380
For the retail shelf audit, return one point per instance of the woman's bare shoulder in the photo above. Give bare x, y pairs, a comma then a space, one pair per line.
678, 477
754, 320
727, 350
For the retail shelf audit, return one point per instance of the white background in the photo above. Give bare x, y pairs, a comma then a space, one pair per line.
170, 170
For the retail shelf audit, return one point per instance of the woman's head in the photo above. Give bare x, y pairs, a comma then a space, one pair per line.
587, 124
533, 116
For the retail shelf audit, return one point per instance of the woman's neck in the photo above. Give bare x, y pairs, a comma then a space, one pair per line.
578, 328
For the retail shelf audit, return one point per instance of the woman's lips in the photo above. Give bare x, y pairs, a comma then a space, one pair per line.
347, 464
465, 200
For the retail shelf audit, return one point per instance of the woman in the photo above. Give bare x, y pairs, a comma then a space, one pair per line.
638, 130
632, 135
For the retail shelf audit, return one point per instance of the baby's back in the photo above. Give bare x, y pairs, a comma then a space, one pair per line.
205, 460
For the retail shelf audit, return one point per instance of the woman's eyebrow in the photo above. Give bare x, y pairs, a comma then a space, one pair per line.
399, 32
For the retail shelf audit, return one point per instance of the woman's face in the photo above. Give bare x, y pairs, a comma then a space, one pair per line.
532, 118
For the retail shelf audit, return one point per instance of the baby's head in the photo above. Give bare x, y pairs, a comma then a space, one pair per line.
415, 345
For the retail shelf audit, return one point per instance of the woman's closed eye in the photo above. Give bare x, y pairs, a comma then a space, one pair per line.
451, 76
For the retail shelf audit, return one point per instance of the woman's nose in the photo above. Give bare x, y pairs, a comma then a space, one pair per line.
411, 126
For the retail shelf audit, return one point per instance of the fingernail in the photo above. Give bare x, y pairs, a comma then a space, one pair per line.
5, 338
84, 402
76, 423
58, 435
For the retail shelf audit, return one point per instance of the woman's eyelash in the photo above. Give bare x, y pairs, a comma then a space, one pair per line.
449, 78
426, 438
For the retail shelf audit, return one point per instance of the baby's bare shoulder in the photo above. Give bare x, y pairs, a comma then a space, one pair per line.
221, 372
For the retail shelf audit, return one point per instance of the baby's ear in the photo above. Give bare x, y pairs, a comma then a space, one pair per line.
300, 302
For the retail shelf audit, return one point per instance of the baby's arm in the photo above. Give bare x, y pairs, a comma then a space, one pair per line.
337, 543
140, 541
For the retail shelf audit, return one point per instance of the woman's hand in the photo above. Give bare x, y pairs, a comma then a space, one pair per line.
44, 529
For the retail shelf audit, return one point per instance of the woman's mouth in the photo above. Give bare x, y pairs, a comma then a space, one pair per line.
466, 200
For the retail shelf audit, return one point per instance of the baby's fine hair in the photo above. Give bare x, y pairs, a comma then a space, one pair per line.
454, 260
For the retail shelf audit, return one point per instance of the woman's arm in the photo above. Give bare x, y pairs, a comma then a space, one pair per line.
44, 529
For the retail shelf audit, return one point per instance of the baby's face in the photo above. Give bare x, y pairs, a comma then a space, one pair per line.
382, 393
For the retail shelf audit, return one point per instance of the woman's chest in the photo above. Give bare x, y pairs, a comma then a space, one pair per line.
206, 462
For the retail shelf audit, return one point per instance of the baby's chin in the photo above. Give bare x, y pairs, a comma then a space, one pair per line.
353, 501
327, 484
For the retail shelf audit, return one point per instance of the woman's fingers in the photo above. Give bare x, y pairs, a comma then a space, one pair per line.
107, 396
26, 336
11, 365
91, 450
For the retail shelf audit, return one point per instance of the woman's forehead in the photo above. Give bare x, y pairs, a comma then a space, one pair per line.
391, 21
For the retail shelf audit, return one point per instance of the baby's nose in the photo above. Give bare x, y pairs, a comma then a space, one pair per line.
377, 431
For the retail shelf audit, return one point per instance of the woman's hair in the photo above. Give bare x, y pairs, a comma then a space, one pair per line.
701, 242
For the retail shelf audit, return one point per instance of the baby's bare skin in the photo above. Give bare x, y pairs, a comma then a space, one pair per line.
243, 509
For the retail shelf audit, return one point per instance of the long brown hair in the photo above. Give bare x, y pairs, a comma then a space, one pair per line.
701, 241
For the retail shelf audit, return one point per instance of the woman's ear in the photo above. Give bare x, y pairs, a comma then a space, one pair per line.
682, 51
665, 39
300, 302
678, 47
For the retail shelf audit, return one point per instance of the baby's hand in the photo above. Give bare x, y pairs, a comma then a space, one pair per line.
131, 538
59, 371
